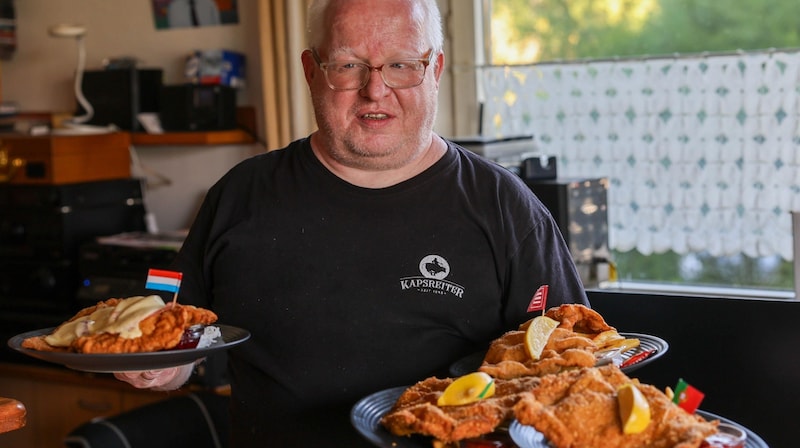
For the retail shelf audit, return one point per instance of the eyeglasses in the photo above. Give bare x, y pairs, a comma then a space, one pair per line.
354, 75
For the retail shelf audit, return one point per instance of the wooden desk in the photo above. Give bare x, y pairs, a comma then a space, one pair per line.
57, 400
12, 414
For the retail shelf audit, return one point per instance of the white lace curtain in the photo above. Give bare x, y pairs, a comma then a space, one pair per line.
701, 153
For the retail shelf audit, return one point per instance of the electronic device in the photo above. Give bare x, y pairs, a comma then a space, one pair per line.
41, 230
580, 209
197, 107
117, 265
119, 95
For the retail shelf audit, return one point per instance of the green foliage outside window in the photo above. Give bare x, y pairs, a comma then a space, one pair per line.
580, 29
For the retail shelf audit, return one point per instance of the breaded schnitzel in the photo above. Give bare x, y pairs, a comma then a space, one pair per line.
570, 345
507, 358
135, 324
416, 412
579, 409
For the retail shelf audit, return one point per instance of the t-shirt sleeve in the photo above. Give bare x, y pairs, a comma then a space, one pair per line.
543, 258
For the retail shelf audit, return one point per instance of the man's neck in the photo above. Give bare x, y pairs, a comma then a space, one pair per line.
383, 178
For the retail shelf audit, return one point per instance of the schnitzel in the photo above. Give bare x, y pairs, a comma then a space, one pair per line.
573, 409
416, 411
579, 409
572, 344
135, 324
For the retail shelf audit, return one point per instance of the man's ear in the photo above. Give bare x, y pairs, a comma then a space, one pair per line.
309, 64
439, 65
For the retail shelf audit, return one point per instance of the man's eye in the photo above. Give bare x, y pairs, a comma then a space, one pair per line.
344, 66
403, 65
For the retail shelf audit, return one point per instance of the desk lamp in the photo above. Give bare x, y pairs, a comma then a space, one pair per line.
76, 125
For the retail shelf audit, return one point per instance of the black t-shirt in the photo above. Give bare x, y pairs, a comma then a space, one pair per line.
349, 290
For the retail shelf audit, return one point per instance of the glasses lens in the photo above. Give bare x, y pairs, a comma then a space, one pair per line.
346, 75
403, 74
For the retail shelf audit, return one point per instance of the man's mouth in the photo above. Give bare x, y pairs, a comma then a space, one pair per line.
374, 116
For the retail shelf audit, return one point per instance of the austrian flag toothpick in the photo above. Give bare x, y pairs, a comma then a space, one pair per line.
163, 280
539, 299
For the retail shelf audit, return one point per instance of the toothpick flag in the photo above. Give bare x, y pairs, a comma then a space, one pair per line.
539, 299
687, 397
163, 280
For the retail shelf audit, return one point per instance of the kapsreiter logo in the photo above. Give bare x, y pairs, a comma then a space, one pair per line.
434, 270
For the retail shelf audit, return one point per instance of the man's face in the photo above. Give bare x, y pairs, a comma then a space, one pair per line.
375, 127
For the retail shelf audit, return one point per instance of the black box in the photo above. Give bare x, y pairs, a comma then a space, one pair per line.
119, 95
538, 168
198, 107
42, 228
50, 222
580, 208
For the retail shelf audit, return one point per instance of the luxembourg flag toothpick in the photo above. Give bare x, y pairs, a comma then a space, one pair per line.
164, 281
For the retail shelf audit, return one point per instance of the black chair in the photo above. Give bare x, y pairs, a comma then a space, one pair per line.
195, 420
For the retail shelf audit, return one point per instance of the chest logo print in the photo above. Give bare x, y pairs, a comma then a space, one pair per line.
434, 266
434, 270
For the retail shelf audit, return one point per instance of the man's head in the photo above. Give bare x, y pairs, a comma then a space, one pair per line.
357, 48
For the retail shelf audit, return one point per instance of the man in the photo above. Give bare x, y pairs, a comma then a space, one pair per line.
370, 255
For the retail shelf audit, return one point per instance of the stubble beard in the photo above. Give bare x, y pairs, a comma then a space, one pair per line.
379, 153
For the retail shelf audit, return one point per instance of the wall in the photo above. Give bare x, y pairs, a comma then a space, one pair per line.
40, 74
177, 178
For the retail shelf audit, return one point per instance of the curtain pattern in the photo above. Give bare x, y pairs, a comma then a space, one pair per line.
702, 153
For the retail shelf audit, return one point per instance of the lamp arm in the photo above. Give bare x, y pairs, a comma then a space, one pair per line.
87, 107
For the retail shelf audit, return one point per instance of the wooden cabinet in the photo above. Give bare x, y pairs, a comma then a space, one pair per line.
63, 159
57, 400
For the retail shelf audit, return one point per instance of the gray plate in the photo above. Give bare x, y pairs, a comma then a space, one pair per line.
471, 362
366, 418
528, 437
120, 362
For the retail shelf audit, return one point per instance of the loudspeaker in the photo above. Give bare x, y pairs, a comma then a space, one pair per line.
198, 107
119, 95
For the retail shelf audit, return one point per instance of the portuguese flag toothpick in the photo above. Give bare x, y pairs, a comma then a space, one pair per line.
687, 397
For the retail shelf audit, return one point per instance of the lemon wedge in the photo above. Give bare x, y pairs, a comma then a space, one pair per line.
634, 410
622, 345
537, 334
467, 389
606, 337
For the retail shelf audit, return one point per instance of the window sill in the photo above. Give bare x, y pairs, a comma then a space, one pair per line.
232, 137
699, 291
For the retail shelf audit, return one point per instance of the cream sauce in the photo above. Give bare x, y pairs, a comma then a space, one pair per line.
122, 319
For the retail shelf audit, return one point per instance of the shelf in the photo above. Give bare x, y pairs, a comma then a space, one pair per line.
232, 137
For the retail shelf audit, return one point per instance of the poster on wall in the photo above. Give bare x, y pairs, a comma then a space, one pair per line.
8, 29
170, 14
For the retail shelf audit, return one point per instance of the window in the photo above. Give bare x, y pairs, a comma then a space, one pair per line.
688, 107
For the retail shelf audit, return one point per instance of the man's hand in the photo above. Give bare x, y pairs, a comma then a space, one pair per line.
165, 379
